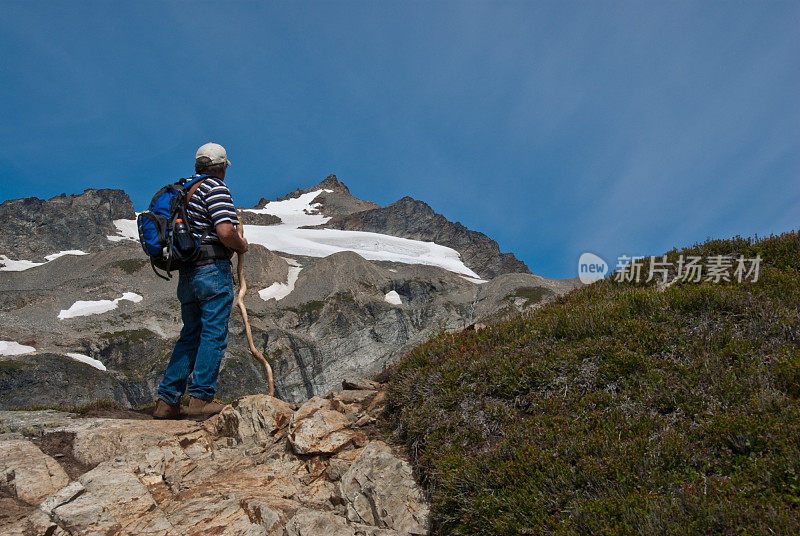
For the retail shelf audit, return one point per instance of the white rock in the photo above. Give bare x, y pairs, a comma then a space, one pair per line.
393, 297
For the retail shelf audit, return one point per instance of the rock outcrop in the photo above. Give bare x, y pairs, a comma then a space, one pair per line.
28, 474
340, 315
33, 228
338, 201
260, 467
410, 218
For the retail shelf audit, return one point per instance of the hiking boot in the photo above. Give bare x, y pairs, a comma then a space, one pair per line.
200, 409
165, 410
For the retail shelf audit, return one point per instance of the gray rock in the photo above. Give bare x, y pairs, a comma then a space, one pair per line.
517, 292
380, 491
315, 523
33, 228
250, 218
338, 202
54, 380
410, 218
33, 423
262, 267
358, 384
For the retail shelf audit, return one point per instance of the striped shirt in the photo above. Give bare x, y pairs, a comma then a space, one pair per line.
210, 205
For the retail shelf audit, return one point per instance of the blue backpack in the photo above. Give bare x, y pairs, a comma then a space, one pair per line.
164, 230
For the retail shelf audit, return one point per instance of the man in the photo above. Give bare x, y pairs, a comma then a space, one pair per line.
205, 290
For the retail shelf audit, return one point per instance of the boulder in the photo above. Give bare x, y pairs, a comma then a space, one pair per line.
253, 421
380, 491
27, 473
316, 428
36, 523
108, 499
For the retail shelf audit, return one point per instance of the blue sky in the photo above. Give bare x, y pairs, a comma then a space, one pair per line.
553, 127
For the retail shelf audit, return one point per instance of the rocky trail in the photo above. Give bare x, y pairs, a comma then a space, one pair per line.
260, 467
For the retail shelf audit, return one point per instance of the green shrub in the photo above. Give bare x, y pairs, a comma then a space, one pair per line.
618, 409
129, 266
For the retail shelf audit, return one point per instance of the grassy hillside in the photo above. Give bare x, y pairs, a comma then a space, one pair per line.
618, 409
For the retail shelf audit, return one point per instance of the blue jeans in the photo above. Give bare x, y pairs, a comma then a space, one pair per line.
206, 296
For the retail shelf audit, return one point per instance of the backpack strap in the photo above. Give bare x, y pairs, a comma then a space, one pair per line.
193, 185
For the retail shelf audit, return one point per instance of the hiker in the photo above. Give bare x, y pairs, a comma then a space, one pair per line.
205, 290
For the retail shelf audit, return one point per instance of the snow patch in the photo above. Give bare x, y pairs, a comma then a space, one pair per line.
126, 230
287, 237
292, 262
295, 212
54, 256
88, 360
281, 290
476, 280
15, 348
393, 297
9, 265
96, 307
153, 325
371, 246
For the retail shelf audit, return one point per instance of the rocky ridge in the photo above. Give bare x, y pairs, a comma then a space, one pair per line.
338, 316
260, 467
410, 218
336, 202
33, 228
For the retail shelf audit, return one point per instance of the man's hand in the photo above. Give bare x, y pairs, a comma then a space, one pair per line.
230, 237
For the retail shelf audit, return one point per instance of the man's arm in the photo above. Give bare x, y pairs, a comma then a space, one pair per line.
230, 237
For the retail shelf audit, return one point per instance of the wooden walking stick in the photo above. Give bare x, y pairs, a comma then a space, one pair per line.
240, 301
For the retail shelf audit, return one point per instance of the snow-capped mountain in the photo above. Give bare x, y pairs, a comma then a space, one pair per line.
339, 287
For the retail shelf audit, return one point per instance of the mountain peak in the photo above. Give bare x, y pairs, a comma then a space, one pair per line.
331, 182
336, 201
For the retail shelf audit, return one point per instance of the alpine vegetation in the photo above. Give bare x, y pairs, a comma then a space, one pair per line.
618, 408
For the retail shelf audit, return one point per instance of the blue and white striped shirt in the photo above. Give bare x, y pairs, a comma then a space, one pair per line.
210, 205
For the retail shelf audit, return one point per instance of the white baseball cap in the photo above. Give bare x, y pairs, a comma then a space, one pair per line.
214, 152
